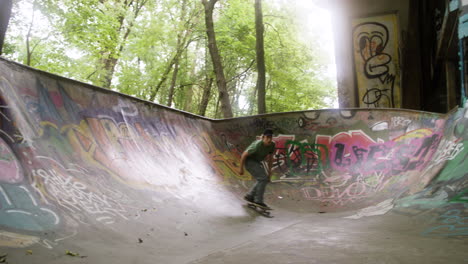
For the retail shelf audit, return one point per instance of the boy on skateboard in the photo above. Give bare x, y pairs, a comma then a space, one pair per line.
252, 159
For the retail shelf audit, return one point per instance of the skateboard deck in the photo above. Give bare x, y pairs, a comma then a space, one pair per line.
260, 209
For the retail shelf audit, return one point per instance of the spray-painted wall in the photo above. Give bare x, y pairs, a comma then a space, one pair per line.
381, 68
75, 155
340, 158
376, 61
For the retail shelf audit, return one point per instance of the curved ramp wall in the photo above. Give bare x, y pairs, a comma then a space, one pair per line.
332, 160
75, 155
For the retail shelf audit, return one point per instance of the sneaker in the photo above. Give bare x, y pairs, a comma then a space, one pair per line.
263, 205
249, 199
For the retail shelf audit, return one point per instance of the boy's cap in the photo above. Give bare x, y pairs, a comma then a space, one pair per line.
268, 132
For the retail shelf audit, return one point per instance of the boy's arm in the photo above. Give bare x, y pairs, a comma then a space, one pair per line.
244, 156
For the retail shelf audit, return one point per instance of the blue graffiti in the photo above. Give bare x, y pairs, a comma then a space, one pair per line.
20, 210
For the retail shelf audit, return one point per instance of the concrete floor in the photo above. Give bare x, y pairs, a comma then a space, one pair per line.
329, 238
246, 237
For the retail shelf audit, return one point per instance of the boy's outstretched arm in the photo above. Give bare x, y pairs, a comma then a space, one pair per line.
242, 162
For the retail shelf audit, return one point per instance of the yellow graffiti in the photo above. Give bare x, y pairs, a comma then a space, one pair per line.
418, 133
230, 162
83, 142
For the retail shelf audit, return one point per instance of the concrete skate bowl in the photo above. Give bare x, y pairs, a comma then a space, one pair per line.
88, 175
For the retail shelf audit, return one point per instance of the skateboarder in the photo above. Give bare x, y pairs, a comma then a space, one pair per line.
252, 159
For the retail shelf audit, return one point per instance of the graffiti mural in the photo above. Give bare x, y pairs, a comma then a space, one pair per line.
367, 155
375, 49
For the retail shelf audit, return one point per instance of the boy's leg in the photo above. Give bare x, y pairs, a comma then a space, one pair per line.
260, 190
256, 169
251, 194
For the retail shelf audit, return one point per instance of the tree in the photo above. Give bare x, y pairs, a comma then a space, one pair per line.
127, 12
205, 97
216, 58
182, 25
260, 51
171, 54
32, 41
5, 12
98, 28
296, 66
30, 46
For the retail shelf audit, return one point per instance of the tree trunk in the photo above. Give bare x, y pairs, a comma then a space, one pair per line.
205, 97
173, 83
28, 38
252, 106
188, 100
174, 60
190, 105
29, 45
182, 44
216, 58
5, 13
110, 62
217, 108
260, 50
155, 91
109, 68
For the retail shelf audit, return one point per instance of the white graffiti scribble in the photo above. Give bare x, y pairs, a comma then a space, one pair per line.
399, 121
76, 197
125, 108
379, 209
341, 189
447, 150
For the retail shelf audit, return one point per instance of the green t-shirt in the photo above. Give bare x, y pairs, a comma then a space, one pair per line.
258, 151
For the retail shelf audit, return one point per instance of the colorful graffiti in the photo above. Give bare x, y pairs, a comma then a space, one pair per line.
355, 152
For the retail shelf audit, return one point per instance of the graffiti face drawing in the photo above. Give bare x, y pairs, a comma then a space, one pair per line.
376, 63
371, 39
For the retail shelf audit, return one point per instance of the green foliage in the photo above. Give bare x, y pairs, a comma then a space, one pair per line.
81, 36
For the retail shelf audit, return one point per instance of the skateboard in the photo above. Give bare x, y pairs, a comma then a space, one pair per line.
260, 209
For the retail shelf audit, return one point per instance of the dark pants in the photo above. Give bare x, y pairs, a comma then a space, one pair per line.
258, 172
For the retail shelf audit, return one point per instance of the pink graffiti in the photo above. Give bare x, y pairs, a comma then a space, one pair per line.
56, 98
356, 152
9, 165
342, 147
